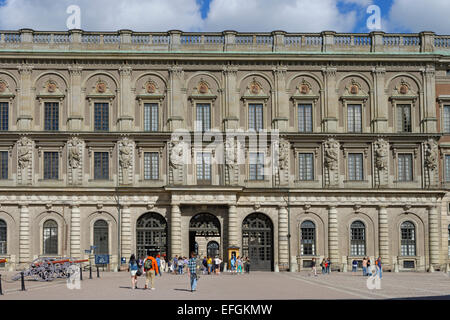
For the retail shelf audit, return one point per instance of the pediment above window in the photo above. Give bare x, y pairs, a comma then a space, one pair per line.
403, 91
150, 91
101, 90
304, 91
50, 90
354, 91
5, 91
255, 91
202, 92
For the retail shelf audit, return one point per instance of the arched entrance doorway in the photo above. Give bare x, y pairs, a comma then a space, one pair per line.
151, 234
204, 228
257, 241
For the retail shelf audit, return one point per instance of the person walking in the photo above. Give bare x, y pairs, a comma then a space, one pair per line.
364, 266
192, 267
328, 265
158, 262
379, 269
369, 272
163, 265
247, 264
217, 263
175, 264
151, 269
209, 263
239, 265
313, 267
133, 269
354, 265
180, 265
322, 265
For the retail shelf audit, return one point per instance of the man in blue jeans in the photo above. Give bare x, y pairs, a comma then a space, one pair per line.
192, 271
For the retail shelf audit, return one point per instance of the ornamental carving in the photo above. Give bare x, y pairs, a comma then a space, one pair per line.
126, 148
3, 86
177, 151
24, 152
203, 87
403, 88
101, 86
51, 86
354, 88
283, 154
74, 150
331, 149
151, 87
381, 149
431, 151
255, 87
304, 87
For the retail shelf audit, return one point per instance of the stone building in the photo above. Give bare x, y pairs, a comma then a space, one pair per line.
288, 146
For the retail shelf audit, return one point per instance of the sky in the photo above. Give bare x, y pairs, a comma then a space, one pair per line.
219, 15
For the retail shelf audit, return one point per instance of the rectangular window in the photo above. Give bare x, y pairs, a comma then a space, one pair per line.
307, 246
255, 117
306, 166
405, 172
150, 117
354, 117
4, 116
404, 118
355, 166
101, 165
51, 116
447, 119
101, 116
203, 168
51, 165
304, 118
151, 165
203, 117
447, 168
3, 165
256, 166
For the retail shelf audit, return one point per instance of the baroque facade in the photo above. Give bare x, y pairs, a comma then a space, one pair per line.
286, 147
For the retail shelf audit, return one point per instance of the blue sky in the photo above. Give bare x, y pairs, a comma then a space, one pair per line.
219, 15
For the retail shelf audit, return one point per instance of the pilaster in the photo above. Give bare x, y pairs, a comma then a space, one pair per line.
175, 230
283, 231
75, 231
24, 234
333, 236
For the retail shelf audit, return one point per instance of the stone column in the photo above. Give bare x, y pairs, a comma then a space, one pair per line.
125, 230
383, 238
24, 234
25, 103
176, 102
429, 81
175, 231
433, 223
126, 105
233, 239
331, 100
75, 231
75, 112
380, 101
231, 101
333, 236
283, 231
281, 103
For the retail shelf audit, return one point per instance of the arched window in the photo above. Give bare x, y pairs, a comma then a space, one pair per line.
357, 239
101, 233
408, 242
308, 238
50, 237
212, 249
3, 229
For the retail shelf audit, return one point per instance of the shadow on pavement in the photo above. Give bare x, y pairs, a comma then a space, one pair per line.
182, 290
446, 297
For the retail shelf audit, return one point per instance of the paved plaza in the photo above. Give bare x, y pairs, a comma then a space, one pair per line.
254, 286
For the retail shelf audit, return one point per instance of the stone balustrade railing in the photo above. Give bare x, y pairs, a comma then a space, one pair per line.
175, 40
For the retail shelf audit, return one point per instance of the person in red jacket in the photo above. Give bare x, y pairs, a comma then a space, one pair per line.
151, 269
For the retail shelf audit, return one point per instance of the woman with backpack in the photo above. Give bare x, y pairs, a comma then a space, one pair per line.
133, 268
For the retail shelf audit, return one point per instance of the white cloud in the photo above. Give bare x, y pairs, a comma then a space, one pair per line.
419, 15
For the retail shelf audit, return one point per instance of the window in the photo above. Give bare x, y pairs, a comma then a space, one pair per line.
355, 166
3, 165
151, 166
203, 117
354, 118
150, 117
304, 118
101, 234
101, 116
446, 119
50, 237
308, 238
4, 116
447, 168
405, 167
51, 165
306, 166
357, 239
408, 241
3, 234
404, 118
101, 165
51, 116
203, 168
255, 117
256, 166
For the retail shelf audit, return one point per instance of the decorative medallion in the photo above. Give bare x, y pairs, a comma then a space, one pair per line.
354, 89
150, 87
100, 87
203, 87
3, 86
255, 88
51, 86
403, 88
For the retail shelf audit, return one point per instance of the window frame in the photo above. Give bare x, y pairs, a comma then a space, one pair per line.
6, 238
414, 228
100, 150
44, 253
158, 156
44, 103
350, 155
58, 156
196, 108
401, 154
314, 239
204, 181
361, 106
8, 162
41, 151
313, 169
264, 164
247, 100
9, 122
357, 242
299, 103
443, 100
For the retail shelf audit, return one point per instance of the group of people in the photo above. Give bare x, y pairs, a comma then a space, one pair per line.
151, 266
325, 265
238, 264
210, 265
366, 263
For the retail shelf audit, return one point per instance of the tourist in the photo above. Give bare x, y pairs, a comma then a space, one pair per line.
368, 272
354, 265
322, 265
151, 269
180, 265
379, 269
239, 265
209, 263
133, 269
163, 265
313, 267
158, 262
364, 266
233, 264
328, 265
192, 271
247, 264
175, 264
205, 265
217, 263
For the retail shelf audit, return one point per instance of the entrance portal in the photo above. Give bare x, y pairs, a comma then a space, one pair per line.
257, 241
204, 235
151, 235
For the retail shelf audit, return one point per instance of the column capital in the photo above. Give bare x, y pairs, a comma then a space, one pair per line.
332, 207
382, 206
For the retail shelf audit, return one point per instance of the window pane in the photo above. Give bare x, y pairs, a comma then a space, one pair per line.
4, 165
357, 239
50, 237
255, 117
4, 115
404, 117
151, 166
51, 116
304, 118
51, 165
203, 117
354, 118
447, 119
101, 117
408, 240
306, 166
405, 167
101, 165
307, 238
150, 117
256, 166
3, 237
355, 166
447, 168
203, 167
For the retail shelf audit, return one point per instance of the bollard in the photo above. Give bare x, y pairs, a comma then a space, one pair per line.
22, 279
90, 272
98, 273
1, 291
81, 273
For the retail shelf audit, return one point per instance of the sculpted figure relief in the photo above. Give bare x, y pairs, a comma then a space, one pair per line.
283, 154
74, 152
431, 154
176, 153
331, 154
381, 154
126, 148
24, 152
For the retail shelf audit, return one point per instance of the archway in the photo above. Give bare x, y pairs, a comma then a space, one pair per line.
257, 241
204, 228
151, 235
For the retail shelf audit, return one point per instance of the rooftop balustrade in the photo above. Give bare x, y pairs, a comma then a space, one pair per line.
175, 40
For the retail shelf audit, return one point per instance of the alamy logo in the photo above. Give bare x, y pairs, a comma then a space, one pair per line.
74, 20
73, 281
374, 21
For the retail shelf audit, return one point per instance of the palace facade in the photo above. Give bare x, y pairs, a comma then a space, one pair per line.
285, 147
